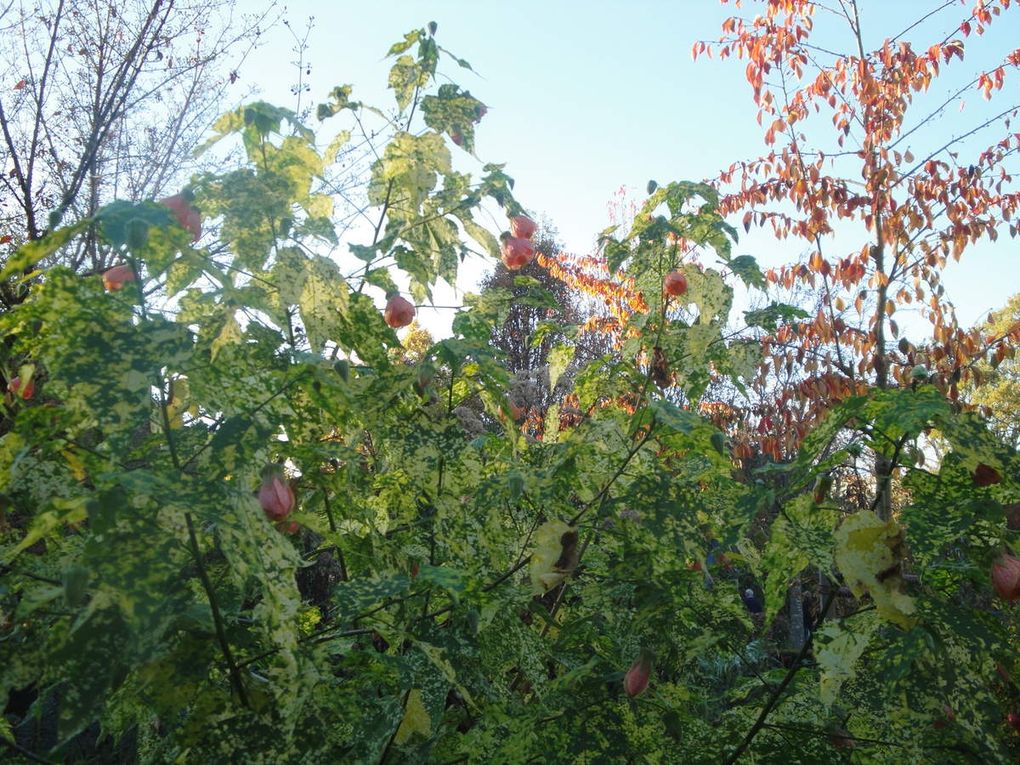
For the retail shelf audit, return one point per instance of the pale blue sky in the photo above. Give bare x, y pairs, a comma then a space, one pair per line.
586, 97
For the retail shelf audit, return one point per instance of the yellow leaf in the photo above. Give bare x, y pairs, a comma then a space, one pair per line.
554, 556
869, 552
76, 465
416, 718
180, 402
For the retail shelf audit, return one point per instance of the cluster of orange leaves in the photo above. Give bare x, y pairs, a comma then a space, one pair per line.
590, 275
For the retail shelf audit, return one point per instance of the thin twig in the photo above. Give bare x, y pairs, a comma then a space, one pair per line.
777, 694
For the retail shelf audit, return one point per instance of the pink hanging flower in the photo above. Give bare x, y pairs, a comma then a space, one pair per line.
1006, 577
636, 680
517, 253
522, 227
276, 498
116, 277
398, 312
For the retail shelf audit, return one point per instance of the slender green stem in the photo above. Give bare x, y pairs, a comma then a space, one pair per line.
777, 693
221, 635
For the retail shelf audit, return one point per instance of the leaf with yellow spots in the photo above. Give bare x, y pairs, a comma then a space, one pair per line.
869, 553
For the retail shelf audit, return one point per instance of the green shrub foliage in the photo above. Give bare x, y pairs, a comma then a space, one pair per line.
458, 588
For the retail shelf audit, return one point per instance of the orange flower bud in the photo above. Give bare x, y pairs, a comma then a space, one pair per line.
24, 393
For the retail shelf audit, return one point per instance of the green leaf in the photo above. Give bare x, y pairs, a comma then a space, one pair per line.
358, 595
782, 562
30, 253
810, 529
64, 512
746, 267
405, 77
839, 647
340, 99
770, 317
230, 334
408, 170
559, 359
410, 39
323, 301
710, 293
338, 142
673, 417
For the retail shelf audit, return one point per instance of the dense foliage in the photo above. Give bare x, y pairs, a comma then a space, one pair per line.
239, 525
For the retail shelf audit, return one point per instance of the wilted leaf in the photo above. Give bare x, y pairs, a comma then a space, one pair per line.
869, 554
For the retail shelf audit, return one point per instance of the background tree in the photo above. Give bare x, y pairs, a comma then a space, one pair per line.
994, 383
539, 328
518, 337
108, 101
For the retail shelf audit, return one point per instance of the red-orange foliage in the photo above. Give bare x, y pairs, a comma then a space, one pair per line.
912, 213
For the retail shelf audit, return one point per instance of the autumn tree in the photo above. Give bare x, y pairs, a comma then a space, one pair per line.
859, 178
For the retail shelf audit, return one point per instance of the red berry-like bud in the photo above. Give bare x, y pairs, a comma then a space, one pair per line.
522, 227
636, 680
1006, 577
116, 277
288, 527
276, 498
399, 312
986, 475
23, 392
675, 284
842, 739
187, 216
517, 253
1013, 718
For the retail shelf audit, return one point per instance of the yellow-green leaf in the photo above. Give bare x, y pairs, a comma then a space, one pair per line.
554, 556
416, 718
869, 552
229, 334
